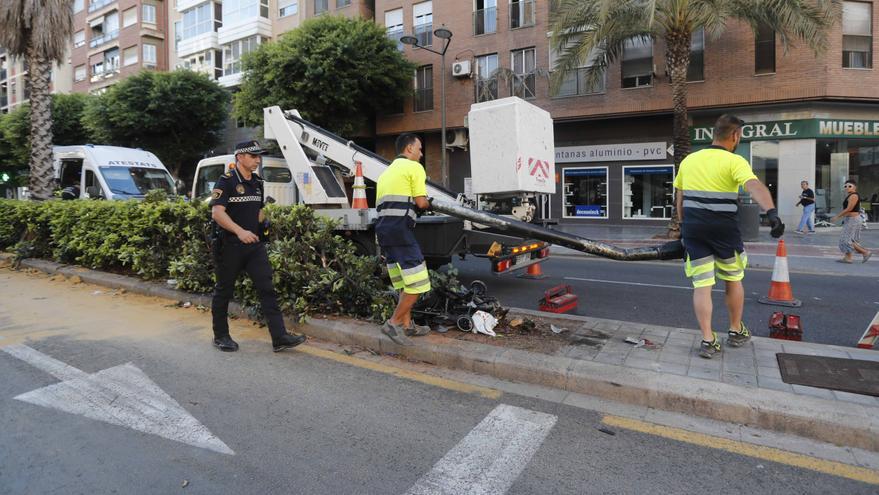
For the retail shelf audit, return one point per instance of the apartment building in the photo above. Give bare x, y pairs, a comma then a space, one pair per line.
810, 118
14, 88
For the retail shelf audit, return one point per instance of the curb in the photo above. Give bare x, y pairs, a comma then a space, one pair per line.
784, 412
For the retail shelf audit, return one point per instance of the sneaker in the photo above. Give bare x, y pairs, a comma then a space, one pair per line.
414, 330
287, 341
708, 349
396, 333
799, 232
810, 232
740, 338
225, 344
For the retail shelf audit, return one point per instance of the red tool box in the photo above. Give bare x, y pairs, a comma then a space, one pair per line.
559, 299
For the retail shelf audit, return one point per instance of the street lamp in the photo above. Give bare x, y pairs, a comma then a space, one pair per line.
445, 34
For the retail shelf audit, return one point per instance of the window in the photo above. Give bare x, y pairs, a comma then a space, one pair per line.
485, 17
394, 25
321, 6
149, 14
423, 89
149, 54
575, 82
197, 20
129, 17
129, 56
696, 69
522, 13
342, 3
637, 62
78, 38
764, 50
111, 60
79, 73
178, 34
585, 192
486, 77
239, 10
97, 69
524, 73
423, 15
857, 35
78, 5
233, 52
648, 191
288, 8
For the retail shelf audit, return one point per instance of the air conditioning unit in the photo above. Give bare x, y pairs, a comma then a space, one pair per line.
457, 138
461, 68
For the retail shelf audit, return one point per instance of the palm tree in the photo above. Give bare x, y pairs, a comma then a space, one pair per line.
38, 31
599, 29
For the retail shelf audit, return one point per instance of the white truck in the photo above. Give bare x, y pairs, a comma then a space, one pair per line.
278, 178
110, 172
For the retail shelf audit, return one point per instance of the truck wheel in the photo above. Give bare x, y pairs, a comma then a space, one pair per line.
465, 324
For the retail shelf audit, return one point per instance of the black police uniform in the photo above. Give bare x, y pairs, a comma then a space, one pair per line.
243, 200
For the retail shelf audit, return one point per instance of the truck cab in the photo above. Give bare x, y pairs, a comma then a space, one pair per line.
278, 178
109, 172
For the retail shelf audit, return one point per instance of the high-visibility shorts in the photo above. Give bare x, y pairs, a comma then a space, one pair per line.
407, 269
722, 258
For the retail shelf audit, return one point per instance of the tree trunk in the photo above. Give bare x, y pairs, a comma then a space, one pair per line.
677, 58
41, 168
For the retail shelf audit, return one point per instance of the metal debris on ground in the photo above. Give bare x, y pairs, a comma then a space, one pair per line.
607, 431
556, 329
646, 343
450, 303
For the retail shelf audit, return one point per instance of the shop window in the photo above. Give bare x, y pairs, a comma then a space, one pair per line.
764, 163
637, 62
585, 192
648, 191
486, 78
857, 35
696, 69
764, 50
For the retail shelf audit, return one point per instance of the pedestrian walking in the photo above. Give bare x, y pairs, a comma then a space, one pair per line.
850, 239
707, 186
400, 191
237, 202
807, 199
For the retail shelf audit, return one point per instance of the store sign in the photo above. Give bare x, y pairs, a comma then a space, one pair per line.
795, 129
611, 152
587, 211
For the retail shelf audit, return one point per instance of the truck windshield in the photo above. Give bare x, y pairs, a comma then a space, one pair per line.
137, 181
207, 177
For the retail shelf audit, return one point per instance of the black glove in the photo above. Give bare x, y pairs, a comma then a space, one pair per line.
775, 222
265, 230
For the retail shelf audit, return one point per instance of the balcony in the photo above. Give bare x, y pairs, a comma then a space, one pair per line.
523, 13
100, 76
97, 4
104, 38
485, 21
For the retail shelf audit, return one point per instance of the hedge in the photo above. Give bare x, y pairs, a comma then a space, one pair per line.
315, 270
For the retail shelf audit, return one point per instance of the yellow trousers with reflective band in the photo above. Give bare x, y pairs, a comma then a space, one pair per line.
702, 271
415, 280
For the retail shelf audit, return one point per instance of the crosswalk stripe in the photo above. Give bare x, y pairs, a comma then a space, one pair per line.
490, 458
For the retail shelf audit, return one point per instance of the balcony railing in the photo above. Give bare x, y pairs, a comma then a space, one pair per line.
423, 100
522, 85
576, 84
485, 21
104, 38
424, 33
97, 4
522, 13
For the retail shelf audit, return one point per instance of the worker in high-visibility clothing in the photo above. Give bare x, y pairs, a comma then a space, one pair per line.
401, 191
707, 186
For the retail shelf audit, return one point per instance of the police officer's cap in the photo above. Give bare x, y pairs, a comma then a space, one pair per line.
251, 147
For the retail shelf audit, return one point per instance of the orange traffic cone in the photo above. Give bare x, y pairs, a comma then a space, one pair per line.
358, 202
534, 272
780, 292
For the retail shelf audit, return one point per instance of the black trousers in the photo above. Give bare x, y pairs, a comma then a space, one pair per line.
230, 259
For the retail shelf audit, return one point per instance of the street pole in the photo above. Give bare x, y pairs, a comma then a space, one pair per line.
445, 162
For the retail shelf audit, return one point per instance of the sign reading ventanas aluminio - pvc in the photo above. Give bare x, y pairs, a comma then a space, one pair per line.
796, 129
610, 152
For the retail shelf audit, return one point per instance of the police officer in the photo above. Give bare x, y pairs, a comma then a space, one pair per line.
707, 188
237, 209
400, 190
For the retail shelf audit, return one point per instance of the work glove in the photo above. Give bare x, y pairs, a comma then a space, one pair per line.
775, 222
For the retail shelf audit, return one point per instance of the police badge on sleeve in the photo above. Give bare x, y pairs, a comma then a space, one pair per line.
216, 193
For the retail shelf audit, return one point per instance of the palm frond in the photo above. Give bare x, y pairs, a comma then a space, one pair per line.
803, 20
44, 25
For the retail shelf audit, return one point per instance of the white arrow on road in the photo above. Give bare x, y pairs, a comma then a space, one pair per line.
121, 395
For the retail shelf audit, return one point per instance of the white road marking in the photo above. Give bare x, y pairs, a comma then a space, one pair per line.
490, 458
639, 284
121, 395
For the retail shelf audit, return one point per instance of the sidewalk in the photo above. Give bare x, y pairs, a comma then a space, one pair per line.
744, 386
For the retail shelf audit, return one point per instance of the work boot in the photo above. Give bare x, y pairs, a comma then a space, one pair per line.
396, 333
225, 344
414, 330
708, 349
740, 338
287, 341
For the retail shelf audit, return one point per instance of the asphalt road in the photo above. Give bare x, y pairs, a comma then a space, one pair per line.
836, 308
298, 423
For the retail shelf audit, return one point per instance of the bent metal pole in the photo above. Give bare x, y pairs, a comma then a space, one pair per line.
668, 251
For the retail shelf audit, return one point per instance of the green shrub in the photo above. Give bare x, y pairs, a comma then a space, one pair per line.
315, 270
